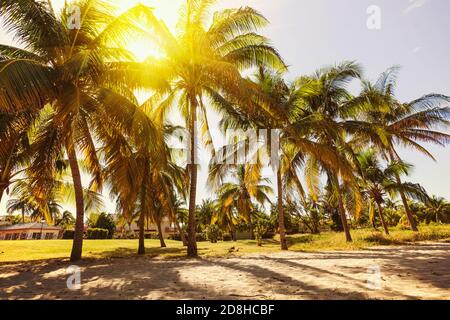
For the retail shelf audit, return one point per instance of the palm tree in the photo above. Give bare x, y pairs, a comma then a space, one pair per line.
204, 214
247, 188
62, 68
67, 219
21, 205
321, 109
205, 62
438, 208
387, 123
379, 182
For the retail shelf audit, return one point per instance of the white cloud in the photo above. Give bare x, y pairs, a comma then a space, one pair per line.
417, 49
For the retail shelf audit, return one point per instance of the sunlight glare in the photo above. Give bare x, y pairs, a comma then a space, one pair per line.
167, 10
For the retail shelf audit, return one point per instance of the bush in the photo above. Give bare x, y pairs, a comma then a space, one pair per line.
175, 237
200, 237
151, 235
268, 235
68, 234
97, 234
212, 233
227, 237
105, 221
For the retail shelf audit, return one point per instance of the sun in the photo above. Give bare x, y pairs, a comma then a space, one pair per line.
167, 10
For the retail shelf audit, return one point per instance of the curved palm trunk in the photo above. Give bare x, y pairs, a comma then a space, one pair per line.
141, 249
3, 187
192, 230
342, 214
77, 248
281, 224
383, 222
160, 234
408, 212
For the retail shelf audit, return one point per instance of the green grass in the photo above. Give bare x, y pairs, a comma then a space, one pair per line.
14, 251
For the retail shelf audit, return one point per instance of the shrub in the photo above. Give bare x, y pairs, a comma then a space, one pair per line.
105, 221
151, 235
68, 234
212, 233
268, 235
227, 237
97, 234
200, 237
175, 237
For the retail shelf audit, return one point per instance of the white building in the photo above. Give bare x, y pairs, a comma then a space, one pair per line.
29, 231
167, 228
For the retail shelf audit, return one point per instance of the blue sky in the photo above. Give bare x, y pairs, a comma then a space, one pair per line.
310, 34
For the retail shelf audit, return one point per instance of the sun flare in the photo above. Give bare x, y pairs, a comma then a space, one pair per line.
167, 10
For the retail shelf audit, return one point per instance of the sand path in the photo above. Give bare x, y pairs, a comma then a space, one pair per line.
409, 272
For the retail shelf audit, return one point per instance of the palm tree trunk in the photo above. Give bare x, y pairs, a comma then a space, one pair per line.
192, 230
160, 234
252, 231
233, 232
141, 249
342, 213
23, 214
77, 248
182, 234
408, 212
2, 190
383, 222
281, 224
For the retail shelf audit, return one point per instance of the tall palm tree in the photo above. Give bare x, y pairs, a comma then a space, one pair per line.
63, 68
205, 62
378, 182
321, 110
387, 123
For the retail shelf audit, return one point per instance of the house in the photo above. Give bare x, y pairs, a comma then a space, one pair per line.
29, 231
167, 228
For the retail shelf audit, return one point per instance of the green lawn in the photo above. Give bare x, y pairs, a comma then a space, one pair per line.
12, 251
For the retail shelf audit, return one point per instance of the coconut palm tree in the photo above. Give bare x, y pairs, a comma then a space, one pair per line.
21, 205
378, 182
62, 67
15, 147
387, 123
246, 188
204, 62
321, 110
438, 208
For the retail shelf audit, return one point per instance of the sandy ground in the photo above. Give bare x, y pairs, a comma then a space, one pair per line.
413, 272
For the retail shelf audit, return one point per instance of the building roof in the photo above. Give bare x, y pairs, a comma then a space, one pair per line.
27, 226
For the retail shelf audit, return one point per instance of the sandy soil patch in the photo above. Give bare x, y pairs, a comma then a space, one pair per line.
409, 272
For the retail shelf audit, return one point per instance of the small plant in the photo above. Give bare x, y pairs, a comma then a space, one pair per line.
260, 230
212, 233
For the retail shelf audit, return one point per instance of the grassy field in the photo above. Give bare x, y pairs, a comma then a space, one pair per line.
13, 251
